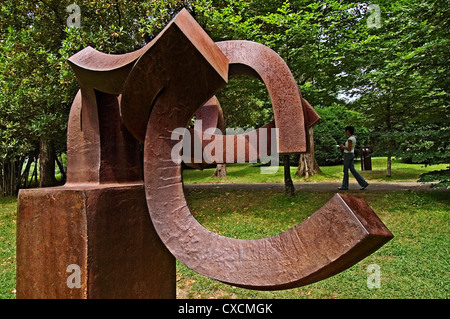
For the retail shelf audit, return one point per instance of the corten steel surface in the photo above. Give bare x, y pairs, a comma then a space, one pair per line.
257, 60
209, 118
341, 233
103, 229
211, 115
240, 148
99, 148
181, 57
145, 96
292, 113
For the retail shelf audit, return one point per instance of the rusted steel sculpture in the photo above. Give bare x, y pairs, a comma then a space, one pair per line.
145, 96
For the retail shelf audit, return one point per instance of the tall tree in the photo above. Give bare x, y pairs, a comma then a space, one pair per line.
37, 85
396, 71
312, 37
403, 89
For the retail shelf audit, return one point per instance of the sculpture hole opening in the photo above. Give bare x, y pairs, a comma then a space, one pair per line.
245, 102
240, 211
236, 212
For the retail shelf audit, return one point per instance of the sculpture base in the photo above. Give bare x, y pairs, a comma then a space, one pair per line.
90, 241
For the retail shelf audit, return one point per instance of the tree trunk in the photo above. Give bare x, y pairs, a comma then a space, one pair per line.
34, 174
303, 167
61, 169
307, 164
389, 142
221, 171
10, 176
289, 188
47, 164
26, 173
389, 165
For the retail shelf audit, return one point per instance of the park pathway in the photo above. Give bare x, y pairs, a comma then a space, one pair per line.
324, 186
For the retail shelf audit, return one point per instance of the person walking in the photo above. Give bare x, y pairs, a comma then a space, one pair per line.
349, 155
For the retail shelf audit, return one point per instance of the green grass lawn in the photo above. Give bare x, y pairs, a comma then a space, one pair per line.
8, 213
251, 173
415, 264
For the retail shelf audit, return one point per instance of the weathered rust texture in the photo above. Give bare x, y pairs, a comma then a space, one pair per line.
293, 114
99, 219
51, 235
207, 119
99, 147
311, 116
105, 230
239, 148
113, 239
211, 115
257, 60
184, 57
331, 240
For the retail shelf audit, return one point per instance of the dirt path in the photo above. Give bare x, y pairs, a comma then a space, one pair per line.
327, 187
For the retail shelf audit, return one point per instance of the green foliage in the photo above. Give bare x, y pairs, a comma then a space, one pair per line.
37, 85
395, 76
245, 103
443, 176
403, 90
306, 34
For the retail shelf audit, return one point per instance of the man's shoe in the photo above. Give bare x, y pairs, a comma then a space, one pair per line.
342, 188
363, 188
